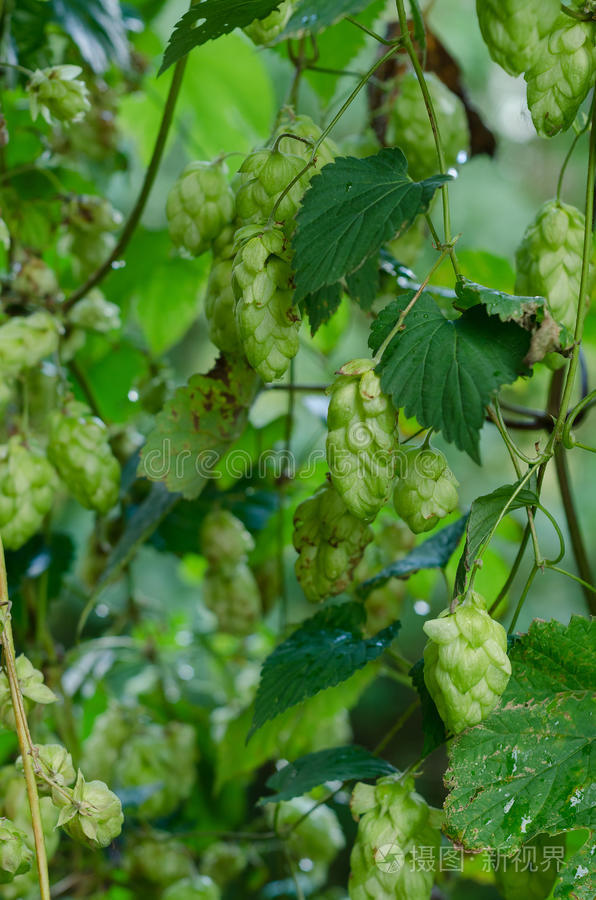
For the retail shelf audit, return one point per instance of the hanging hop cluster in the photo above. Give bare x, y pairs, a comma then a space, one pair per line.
90, 812
264, 177
28, 484
265, 31
200, 205
466, 667
229, 587
362, 439
329, 541
58, 94
513, 30
426, 489
26, 340
393, 822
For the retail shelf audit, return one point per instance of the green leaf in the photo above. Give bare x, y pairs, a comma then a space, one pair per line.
353, 207
314, 16
324, 651
507, 307
445, 372
97, 29
363, 284
335, 764
320, 305
209, 20
434, 553
529, 767
432, 723
577, 880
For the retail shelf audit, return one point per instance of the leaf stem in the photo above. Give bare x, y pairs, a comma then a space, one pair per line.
514, 570
579, 580
397, 726
568, 156
370, 32
523, 597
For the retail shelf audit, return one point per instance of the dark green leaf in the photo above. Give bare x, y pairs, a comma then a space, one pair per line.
336, 764
578, 879
212, 19
507, 307
434, 553
97, 29
445, 372
353, 207
312, 15
432, 723
323, 652
363, 284
320, 305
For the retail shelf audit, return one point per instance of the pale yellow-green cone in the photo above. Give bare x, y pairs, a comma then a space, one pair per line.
26, 340
532, 873
58, 94
95, 313
28, 485
15, 854
199, 887
562, 75
232, 593
90, 813
32, 687
466, 667
200, 205
268, 321
330, 542
224, 539
426, 490
362, 439
395, 824
54, 762
264, 31
549, 260
513, 30
264, 176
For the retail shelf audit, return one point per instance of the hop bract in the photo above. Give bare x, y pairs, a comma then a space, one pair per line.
466, 667
426, 489
264, 177
304, 127
199, 206
28, 485
90, 813
15, 852
514, 29
57, 93
264, 31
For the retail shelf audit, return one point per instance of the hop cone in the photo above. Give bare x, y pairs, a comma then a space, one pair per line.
160, 861
531, 874
199, 206
58, 94
318, 837
224, 539
395, 824
264, 176
200, 887
231, 592
15, 853
513, 30
220, 306
330, 542
223, 861
264, 31
32, 688
26, 340
409, 127
267, 320
92, 815
549, 259
79, 449
361, 440
34, 280
95, 313
426, 490
303, 126
27, 487
92, 214
561, 76
54, 762
466, 667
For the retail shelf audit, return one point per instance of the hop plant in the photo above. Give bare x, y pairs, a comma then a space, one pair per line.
200, 887
220, 306
79, 449
362, 439
549, 259
562, 75
264, 176
466, 667
426, 489
409, 128
58, 94
15, 853
514, 29
26, 340
200, 205
89, 813
516, 880
53, 762
95, 313
330, 542
394, 821
264, 31
32, 688
268, 321
231, 592
162, 861
224, 539
304, 127
27, 488
318, 837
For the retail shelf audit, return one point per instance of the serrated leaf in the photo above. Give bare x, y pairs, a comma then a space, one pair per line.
432, 723
445, 372
335, 764
529, 767
363, 284
507, 307
578, 879
434, 553
323, 652
351, 208
209, 20
314, 16
321, 305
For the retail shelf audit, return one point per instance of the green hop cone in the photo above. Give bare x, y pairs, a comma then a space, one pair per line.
15, 853
264, 31
330, 542
362, 439
562, 75
223, 861
264, 176
532, 872
220, 306
27, 488
395, 825
426, 489
34, 280
232, 593
304, 127
52, 761
200, 887
200, 205
16, 808
161, 861
549, 260
466, 667
318, 837
58, 94
26, 340
409, 128
224, 539
79, 449
91, 214
514, 29
89, 813
95, 313
32, 688
268, 321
